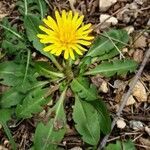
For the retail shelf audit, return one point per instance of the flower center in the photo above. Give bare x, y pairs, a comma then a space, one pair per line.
67, 35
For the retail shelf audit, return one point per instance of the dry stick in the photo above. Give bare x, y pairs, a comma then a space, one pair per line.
125, 98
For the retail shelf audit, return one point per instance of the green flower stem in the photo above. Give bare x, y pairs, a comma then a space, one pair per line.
70, 62
68, 70
56, 63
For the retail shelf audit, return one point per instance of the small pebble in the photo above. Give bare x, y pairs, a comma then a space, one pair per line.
121, 123
147, 130
129, 29
105, 4
107, 23
136, 125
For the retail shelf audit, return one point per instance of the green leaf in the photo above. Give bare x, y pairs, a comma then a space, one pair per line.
103, 45
13, 42
46, 69
104, 118
128, 145
5, 115
31, 23
119, 67
16, 94
36, 7
32, 103
48, 136
86, 119
42, 7
11, 73
85, 90
109, 55
11, 98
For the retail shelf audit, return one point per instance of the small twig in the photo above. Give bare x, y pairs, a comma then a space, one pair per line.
125, 97
72, 6
145, 8
114, 139
143, 146
123, 135
138, 137
142, 118
48, 3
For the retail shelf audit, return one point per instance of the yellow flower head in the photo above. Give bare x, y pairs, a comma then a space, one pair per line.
66, 34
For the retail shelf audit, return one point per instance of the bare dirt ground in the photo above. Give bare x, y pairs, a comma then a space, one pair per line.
134, 123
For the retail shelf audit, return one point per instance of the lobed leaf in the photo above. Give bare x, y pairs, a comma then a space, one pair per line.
48, 136
85, 90
13, 42
11, 98
32, 103
103, 45
86, 119
11, 73
119, 67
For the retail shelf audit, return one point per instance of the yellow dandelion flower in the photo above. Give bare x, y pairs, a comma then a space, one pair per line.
65, 35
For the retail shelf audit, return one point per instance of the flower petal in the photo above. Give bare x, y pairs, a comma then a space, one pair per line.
53, 51
58, 18
70, 15
83, 42
49, 48
65, 34
48, 40
46, 30
64, 15
85, 27
66, 54
59, 52
42, 36
86, 37
80, 47
50, 22
74, 19
79, 21
71, 54
76, 49
79, 33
